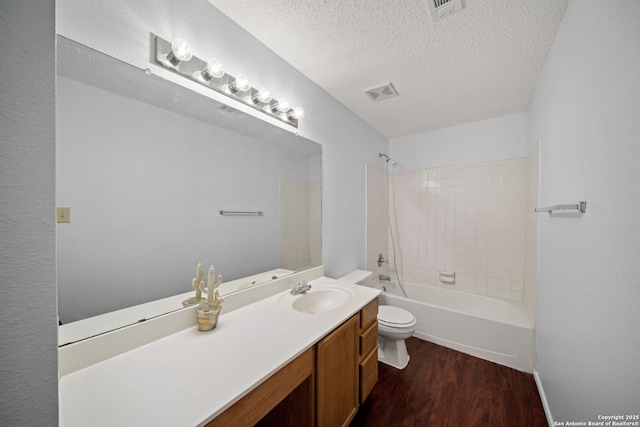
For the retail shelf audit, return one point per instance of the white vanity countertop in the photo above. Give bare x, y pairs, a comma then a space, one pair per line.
188, 378
92, 326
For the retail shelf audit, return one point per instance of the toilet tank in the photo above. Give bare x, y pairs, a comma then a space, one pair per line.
360, 277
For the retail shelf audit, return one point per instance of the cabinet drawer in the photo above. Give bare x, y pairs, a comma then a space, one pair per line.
369, 314
368, 374
369, 339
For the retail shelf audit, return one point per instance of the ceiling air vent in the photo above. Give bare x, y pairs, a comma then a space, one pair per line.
442, 8
228, 109
382, 92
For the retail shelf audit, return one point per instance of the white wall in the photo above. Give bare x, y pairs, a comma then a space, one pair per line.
28, 353
121, 28
586, 112
502, 138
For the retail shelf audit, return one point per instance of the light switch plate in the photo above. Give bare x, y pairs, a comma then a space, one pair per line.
63, 215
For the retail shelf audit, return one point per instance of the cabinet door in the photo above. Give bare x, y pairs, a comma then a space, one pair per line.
337, 375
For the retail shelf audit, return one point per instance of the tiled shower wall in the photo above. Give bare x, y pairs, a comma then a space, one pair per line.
300, 229
315, 223
468, 219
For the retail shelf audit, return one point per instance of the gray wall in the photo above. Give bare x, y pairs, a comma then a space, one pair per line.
586, 112
28, 353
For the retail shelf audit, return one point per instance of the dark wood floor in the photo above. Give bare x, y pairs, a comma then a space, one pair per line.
442, 387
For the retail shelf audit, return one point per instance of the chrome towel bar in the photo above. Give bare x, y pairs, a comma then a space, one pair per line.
259, 213
581, 206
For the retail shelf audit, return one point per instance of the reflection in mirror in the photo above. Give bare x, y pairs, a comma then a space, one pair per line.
145, 167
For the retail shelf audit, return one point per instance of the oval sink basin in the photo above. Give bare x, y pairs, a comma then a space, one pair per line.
319, 299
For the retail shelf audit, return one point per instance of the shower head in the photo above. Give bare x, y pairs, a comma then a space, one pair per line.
387, 159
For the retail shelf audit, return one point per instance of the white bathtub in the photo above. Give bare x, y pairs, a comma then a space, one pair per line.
489, 328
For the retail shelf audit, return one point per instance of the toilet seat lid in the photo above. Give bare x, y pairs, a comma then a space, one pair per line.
390, 315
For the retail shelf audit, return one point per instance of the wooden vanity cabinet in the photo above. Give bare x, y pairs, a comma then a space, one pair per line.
347, 368
324, 386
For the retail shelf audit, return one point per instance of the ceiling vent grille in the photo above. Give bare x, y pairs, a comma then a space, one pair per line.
442, 8
228, 109
382, 92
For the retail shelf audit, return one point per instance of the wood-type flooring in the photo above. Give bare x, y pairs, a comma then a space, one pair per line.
442, 387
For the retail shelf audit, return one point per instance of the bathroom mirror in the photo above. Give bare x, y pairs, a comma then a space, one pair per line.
145, 166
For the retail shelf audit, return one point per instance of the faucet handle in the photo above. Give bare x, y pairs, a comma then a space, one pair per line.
300, 288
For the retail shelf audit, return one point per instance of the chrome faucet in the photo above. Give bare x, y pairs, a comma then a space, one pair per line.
384, 278
300, 288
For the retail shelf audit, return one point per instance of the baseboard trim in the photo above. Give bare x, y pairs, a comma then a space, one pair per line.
543, 398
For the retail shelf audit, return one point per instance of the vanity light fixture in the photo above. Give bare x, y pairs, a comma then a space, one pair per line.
178, 58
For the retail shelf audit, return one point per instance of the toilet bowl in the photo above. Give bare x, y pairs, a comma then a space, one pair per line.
394, 325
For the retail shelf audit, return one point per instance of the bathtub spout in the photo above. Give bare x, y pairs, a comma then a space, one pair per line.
383, 278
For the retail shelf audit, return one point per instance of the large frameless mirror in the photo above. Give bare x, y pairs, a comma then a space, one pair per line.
145, 167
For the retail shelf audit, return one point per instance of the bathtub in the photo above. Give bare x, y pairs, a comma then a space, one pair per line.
489, 328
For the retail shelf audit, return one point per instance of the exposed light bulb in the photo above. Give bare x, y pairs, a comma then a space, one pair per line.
263, 96
283, 105
241, 83
297, 113
213, 69
180, 51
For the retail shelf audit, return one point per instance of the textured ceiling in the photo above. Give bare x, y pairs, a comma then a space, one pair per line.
480, 63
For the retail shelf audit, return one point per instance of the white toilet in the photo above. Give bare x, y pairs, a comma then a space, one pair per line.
395, 325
